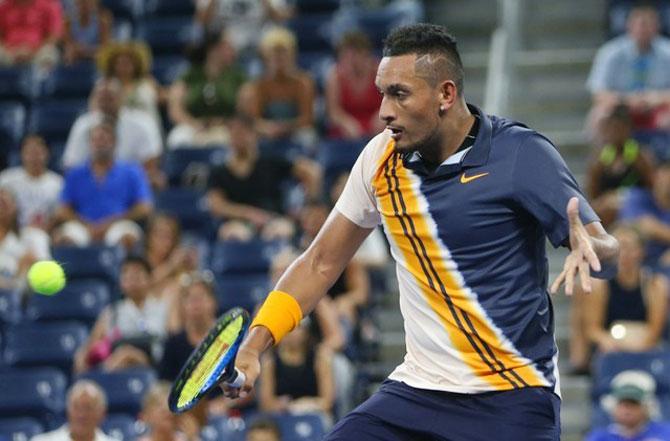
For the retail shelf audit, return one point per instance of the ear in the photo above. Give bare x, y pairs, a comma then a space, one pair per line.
448, 95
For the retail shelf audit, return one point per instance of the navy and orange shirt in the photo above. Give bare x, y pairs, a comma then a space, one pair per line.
468, 239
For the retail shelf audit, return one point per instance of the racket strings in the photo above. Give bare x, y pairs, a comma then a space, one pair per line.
208, 369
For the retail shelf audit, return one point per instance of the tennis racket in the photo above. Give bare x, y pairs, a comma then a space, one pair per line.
211, 363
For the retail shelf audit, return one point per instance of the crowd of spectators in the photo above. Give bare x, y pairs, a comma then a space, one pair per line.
238, 87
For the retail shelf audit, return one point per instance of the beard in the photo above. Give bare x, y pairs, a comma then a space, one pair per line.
429, 146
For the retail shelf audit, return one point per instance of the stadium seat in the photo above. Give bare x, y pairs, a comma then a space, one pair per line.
12, 124
38, 393
75, 81
312, 32
607, 366
222, 428
53, 119
337, 156
190, 166
122, 427
307, 427
125, 9
125, 389
167, 36
244, 291
16, 83
46, 344
89, 262
10, 307
189, 206
235, 258
80, 300
20, 429
167, 68
317, 6
170, 8
317, 64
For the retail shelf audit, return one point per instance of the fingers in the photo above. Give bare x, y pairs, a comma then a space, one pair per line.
585, 276
570, 272
573, 212
557, 283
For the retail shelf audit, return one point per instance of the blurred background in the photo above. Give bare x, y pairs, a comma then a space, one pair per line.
176, 156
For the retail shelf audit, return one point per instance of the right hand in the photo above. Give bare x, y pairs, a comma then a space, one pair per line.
248, 362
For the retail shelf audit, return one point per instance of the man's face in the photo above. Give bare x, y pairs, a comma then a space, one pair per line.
108, 98
84, 413
629, 413
34, 155
410, 105
643, 26
102, 143
134, 281
242, 137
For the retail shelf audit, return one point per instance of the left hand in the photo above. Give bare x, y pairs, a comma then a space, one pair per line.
582, 257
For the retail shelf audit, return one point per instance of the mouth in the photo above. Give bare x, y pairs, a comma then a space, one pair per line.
396, 132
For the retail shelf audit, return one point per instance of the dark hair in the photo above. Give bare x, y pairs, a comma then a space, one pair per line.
265, 424
620, 112
197, 53
649, 5
136, 259
423, 39
34, 137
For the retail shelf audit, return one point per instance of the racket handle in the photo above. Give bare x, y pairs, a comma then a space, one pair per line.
237, 379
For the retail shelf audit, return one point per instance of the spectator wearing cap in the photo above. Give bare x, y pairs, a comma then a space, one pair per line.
632, 405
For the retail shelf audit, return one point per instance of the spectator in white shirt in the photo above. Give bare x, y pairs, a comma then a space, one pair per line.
35, 187
138, 135
86, 409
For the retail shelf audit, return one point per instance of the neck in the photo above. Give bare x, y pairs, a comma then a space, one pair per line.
138, 301
88, 436
643, 48
631, 431
34, 172
102, 165
455, 128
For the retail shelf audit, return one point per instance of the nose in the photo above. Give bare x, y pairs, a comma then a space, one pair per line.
386, 111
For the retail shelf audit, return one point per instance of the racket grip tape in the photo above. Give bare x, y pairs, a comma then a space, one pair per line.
237, 379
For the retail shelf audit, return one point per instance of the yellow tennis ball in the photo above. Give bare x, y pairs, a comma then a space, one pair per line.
46, 277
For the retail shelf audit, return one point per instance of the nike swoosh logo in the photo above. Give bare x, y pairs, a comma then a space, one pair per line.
466, 179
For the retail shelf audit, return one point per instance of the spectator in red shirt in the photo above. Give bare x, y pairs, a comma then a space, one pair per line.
29, 32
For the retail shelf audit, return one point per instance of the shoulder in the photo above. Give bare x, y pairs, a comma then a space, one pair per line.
615, 47
12, 174
78, 172
601, 434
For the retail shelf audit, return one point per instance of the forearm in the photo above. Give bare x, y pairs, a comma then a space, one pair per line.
138, 212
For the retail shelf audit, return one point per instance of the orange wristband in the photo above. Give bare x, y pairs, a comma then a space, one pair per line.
280, 314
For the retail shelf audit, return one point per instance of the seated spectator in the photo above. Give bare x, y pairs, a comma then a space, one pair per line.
86, 410
200, 102
87, 27
138, 136
244, 20
352, 98
649, 211
632, 69
245, 192
620, 163
297, 377
163, 425
628, 312
263, 429
165, 255
130, 331
104, 198
35, 187
29, 32
20, 247
281, 101
130, 64
633, 408
351, 290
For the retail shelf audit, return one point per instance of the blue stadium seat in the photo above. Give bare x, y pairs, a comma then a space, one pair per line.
53, 119
10, 307
316, 6
222, 428
89, 262
125, 389
16, 83
245, 291
46, 344
16, 429
168, 68
125, 9
38, 393
75, 81
170, 8
337, 156
307, 427
190, 166
317, 64
122, 427
312, 32
189, 206
167, 36
235, 258
607, 366
80, 300
12, 124
377, 23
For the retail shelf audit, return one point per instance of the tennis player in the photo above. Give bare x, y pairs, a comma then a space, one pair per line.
467, 201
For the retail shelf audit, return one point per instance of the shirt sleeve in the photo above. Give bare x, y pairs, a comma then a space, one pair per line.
543, 185
599, 77
141, 189
357, 201
67, 196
